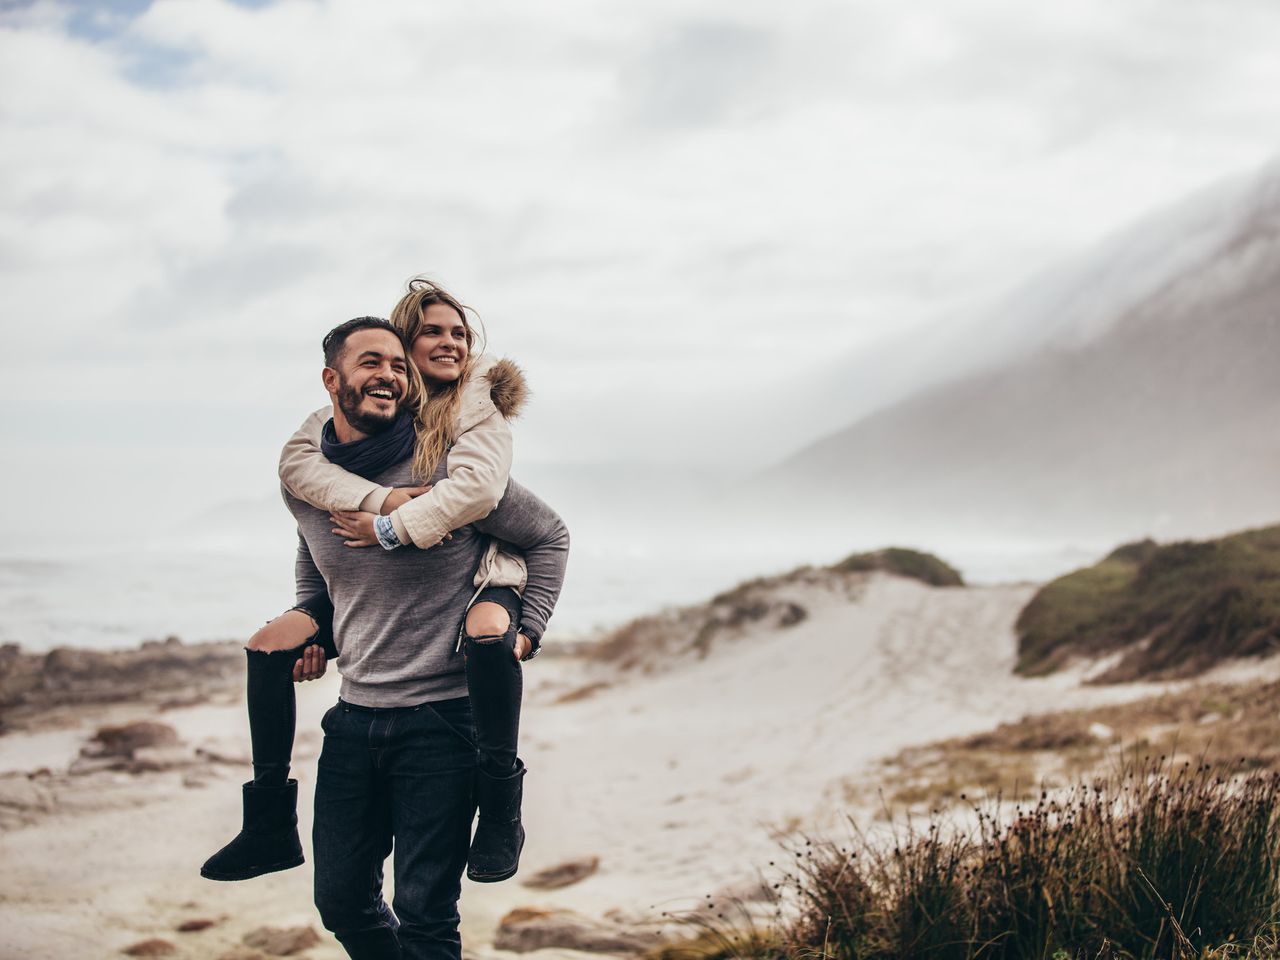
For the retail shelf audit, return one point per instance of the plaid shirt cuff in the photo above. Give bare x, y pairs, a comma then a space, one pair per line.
386, 531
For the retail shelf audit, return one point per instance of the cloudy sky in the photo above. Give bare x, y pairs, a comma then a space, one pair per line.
672, 213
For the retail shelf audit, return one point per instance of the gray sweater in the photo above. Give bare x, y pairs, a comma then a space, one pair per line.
397, 613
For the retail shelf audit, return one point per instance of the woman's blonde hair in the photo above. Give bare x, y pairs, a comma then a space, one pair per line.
435, 408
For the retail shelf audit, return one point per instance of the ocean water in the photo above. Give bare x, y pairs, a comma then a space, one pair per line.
120, 598
224, 590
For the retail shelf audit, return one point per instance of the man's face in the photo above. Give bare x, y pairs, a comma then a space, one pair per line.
369, 380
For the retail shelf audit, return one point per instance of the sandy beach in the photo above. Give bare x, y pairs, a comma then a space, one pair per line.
679, 774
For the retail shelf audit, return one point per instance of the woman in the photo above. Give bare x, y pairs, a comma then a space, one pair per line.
459, 405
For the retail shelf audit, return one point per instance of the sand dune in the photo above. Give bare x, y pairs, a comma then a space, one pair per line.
678, 780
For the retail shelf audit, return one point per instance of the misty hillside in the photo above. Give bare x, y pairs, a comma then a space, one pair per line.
1070, 303
1167, 421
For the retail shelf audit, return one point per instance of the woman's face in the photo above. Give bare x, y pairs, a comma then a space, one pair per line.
441, 347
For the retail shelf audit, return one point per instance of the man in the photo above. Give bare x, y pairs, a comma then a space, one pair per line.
398, 764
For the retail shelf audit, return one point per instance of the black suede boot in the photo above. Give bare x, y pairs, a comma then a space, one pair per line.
268, 840
270, 815
495, 849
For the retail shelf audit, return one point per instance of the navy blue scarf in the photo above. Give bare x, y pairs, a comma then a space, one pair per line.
374, 454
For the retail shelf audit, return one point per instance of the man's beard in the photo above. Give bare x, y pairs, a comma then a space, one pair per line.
367, 422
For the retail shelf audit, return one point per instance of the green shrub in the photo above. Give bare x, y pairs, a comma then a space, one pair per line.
1193, 603
904, 562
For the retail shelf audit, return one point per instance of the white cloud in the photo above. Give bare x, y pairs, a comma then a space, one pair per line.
652, 206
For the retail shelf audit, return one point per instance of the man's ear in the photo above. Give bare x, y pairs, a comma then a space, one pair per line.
329, 377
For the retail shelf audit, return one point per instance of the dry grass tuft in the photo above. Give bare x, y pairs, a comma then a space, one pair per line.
1153, 861
1218, 723
647, 643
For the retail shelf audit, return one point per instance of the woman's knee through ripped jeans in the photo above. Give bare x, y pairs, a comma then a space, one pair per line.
494, 678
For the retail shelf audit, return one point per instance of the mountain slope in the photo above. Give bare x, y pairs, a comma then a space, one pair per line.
1069, 304
1166, 422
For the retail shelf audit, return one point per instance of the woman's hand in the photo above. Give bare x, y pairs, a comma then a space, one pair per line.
399, 496
355, 527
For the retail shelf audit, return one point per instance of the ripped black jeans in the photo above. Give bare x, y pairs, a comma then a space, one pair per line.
494, 684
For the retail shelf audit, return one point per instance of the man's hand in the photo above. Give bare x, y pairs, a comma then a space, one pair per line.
523, 646
311, 665
355, 527
399, 496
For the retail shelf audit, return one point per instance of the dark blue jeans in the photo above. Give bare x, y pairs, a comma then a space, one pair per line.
399, 778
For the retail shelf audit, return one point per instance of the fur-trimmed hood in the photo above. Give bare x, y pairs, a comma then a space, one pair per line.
508, 388
493, 384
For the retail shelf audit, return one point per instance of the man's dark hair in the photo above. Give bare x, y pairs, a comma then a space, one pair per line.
336, 338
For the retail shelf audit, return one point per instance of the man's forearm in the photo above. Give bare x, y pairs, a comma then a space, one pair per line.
526, 522
546, 564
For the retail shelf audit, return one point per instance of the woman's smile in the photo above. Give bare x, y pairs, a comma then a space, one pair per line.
440, 349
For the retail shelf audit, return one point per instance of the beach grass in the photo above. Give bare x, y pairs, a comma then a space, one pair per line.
1150, 861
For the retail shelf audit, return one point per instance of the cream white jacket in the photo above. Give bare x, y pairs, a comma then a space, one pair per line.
479, 465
